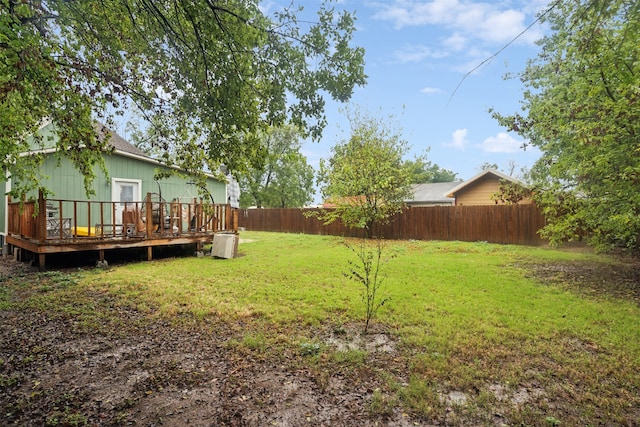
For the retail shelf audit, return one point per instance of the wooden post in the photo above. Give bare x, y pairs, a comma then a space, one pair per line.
41, 264
41, 219
149, 215
88, 219
114, 222
61, 216
101, 222
160, 216
234, 213
149, 253
75, 219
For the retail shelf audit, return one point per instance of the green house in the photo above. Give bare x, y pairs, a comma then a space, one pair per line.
130, 179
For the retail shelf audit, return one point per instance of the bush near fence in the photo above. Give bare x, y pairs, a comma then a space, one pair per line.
508, 224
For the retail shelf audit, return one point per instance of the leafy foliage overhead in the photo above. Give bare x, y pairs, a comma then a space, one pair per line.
582, 110
204, 73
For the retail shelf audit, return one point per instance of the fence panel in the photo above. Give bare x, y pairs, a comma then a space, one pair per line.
515, 224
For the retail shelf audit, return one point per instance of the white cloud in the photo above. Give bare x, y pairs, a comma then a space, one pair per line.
430, 90
417, 54
480, 20
458, 139
455, 42
406, 13
474, 57
265, 6
501, 143
413, 54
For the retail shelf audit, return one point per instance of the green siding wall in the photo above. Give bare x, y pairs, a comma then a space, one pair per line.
66, 183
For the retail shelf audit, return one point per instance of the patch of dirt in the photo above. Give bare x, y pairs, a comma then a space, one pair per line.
11, 268
132, 370
371, 343
619, 280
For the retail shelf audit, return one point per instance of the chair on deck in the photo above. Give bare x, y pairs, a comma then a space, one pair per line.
132, 221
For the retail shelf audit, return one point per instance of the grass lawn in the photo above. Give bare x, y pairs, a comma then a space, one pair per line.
476, 333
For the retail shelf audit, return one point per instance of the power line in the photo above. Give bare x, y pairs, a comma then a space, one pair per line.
492, 57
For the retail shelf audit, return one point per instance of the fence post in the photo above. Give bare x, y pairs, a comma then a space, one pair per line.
227, 217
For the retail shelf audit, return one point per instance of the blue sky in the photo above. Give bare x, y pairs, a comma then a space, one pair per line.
417, 53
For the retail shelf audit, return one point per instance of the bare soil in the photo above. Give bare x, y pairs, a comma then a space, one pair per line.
132, 369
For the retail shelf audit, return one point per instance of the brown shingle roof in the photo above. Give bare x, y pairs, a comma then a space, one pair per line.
118, 142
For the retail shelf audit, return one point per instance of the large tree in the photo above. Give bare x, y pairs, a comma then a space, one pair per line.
205, 73
582, 110
425, 171
283, 178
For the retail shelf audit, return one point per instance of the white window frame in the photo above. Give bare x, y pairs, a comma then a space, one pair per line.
115, 195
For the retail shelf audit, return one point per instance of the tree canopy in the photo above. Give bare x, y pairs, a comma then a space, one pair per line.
205, 74
366, 178
284, 179
425, 171
581, 109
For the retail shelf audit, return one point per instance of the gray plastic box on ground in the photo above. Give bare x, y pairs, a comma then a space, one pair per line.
224, 245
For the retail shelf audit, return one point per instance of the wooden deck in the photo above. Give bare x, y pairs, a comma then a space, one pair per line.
53, 226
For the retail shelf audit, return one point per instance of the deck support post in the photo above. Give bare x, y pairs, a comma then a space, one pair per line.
149, 253
101, 255
41, 262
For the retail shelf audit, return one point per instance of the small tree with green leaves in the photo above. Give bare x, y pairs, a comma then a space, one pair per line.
367, 182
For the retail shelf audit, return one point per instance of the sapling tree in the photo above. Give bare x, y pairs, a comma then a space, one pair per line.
366, 270
366, 181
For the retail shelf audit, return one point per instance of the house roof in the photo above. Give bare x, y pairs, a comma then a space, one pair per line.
484, 173
432, 192
118, 142
125, 148
121, 146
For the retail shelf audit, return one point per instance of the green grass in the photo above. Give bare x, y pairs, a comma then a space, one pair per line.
467, 317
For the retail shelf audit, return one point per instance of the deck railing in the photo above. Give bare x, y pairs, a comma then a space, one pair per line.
48, 220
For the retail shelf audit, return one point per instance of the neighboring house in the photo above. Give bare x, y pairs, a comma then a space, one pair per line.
131, 177
480, 189
431, 194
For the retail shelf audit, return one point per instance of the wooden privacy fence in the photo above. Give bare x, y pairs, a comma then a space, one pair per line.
514, 224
